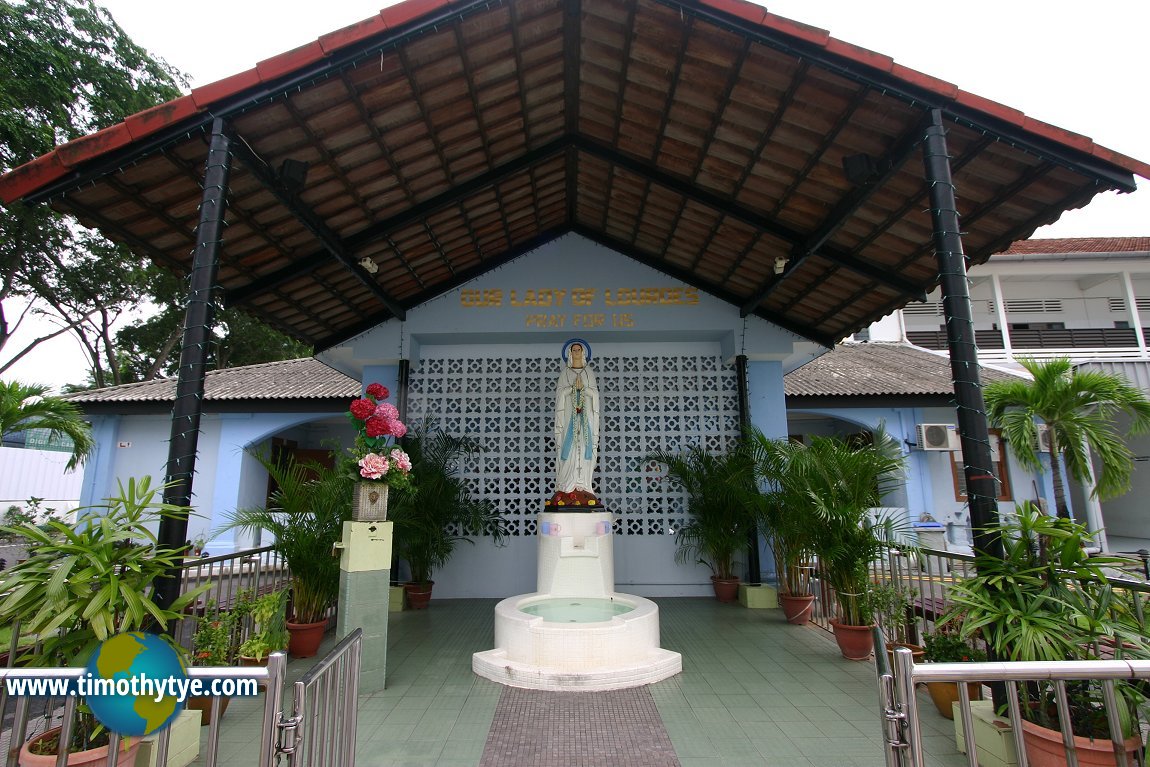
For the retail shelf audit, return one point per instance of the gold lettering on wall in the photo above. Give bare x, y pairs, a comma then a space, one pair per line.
580, 299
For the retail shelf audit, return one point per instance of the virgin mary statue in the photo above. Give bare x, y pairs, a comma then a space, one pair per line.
576, 424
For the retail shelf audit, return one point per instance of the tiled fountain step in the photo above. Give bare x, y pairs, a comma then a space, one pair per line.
621, 728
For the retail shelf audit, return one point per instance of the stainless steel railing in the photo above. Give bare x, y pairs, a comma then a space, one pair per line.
927, 574
903, 729
259, 571
51, 711
326, 701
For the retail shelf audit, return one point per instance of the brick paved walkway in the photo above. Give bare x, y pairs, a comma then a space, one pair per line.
621, 728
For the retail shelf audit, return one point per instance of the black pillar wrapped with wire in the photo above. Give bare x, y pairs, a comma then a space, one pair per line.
198, 318
981, 485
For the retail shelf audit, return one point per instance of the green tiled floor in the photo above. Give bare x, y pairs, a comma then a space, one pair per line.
754, 691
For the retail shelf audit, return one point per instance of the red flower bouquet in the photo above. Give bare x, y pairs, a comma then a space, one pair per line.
378, 426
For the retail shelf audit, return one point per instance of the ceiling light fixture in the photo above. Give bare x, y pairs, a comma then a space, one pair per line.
368, 265
780, 264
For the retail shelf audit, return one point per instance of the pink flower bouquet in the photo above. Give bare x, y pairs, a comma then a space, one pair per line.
377, 425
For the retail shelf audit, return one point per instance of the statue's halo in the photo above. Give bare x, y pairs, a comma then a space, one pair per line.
586, 348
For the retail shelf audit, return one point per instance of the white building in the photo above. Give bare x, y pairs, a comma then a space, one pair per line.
1081, 298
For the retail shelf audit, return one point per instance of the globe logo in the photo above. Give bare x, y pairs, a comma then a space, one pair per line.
128, 664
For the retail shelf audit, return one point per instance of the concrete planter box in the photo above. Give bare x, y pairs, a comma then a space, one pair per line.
993, 735
183, 747
758, 597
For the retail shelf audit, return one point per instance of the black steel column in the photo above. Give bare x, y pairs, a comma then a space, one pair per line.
981, 486
402, 383
193, 356
754, 567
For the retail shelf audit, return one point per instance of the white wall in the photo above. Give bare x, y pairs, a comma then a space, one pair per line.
28, 474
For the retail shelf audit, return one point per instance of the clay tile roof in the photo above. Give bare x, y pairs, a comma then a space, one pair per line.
1056, 246
302, 379
703, 138
877, 369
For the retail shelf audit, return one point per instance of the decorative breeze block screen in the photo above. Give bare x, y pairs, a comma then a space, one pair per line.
648, 403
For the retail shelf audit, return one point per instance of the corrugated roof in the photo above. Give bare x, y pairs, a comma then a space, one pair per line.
703, 138
301, 379
870, 369
877, 369
1080, 245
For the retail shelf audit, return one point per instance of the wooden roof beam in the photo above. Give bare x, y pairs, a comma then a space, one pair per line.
842, 212
312, 222
381, 229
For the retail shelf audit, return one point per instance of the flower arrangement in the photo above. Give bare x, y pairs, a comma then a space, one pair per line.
377, 424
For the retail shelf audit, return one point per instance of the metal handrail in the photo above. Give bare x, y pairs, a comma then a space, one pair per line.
907, 674
270, 678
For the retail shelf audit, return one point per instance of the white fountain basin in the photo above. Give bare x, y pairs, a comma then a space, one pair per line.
566, 648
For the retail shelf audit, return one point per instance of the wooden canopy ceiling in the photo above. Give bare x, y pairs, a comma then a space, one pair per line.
704, 138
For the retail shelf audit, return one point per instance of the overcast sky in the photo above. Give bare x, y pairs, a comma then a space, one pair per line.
1076, 65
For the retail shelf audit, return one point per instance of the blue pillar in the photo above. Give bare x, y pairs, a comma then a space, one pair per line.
768, 411
99, 469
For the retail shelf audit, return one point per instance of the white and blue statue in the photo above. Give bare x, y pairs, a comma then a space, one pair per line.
577, 415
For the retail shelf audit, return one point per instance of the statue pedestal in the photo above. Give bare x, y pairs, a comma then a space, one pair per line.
576, 632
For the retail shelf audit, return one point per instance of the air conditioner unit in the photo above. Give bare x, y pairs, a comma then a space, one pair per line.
1043, 438
938, 436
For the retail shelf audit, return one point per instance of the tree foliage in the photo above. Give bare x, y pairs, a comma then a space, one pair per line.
28, 406
1079, 408
70, 70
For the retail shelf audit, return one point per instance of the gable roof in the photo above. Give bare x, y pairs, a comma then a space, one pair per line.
877, 369
704, 138
301, 379
866, 369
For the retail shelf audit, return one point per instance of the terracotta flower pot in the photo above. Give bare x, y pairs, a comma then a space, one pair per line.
797, 609
304, 638
726, 589
418, 594
945, 694
92, 757
855, 642
1044, 748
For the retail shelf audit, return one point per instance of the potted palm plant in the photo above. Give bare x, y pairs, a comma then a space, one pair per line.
786, 521
722, 509
1047, 599
436, 510
844, 483
305, 513
63, 594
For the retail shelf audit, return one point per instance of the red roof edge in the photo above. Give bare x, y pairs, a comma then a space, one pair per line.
30, 176
860, 55
933, 84
744, 10
290, 61
94, 144
352, 34
992, 108
398, 15
1122, 161
1061, 135
151, 120
797, 29
209, 94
